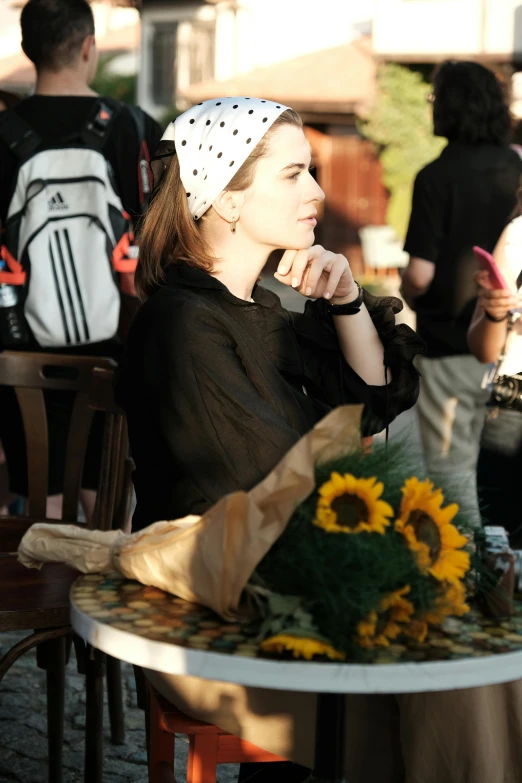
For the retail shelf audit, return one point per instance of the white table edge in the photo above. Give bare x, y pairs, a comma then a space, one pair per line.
299, 675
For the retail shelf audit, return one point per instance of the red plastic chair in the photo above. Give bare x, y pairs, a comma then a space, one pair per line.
208, 745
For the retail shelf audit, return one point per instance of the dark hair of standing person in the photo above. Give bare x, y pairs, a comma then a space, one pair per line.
470, 104
9, 99
54, 30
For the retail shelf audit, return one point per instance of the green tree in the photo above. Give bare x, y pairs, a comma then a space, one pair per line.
123, 88
400, 123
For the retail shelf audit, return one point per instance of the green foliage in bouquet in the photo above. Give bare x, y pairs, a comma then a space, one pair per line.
363, 562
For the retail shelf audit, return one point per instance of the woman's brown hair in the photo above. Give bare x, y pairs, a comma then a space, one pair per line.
170, 234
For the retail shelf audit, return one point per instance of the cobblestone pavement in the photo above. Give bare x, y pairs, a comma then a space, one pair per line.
23, 729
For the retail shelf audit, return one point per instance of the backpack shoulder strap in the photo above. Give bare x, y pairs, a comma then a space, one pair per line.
144, 172
19, 136
98, 126
138, 116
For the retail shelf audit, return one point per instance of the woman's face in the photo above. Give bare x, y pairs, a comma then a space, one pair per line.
280, 206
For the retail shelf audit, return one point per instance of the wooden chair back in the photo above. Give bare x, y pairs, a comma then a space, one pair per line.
114, 490
90, 377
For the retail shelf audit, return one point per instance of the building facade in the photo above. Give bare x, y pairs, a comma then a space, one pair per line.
186, 43
431, 30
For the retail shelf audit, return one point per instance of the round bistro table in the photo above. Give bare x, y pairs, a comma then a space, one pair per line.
156, 630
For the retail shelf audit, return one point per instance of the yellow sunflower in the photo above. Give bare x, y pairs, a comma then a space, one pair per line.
349, 505
427, 528
451, 601
300, 647
390, 619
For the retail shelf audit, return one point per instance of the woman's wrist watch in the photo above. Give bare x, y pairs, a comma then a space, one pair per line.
350, 308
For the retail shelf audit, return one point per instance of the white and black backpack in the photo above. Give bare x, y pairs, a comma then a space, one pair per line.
66, 237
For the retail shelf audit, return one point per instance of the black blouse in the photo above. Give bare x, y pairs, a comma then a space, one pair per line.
216, 389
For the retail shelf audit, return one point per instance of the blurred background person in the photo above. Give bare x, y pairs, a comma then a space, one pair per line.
58, 36
463, 198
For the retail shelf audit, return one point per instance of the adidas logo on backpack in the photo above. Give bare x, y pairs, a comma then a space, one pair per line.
56, 202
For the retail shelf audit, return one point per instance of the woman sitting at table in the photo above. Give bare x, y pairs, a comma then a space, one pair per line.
218, 380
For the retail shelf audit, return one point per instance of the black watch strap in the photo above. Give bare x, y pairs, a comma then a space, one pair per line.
495, 320
350, 308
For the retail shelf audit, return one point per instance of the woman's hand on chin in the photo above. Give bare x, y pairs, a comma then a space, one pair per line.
316, 272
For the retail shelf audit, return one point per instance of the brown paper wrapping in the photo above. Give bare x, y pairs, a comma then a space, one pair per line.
89, 551
206, 559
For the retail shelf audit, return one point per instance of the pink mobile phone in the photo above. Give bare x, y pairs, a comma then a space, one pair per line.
488, 264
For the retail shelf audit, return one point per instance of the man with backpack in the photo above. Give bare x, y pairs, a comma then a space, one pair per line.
73, 181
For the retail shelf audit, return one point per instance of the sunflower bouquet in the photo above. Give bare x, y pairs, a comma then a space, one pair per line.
363, 563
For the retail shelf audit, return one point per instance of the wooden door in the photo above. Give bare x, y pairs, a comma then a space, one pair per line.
349, 172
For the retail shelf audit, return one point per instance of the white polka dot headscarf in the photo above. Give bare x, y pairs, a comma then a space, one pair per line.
213, 140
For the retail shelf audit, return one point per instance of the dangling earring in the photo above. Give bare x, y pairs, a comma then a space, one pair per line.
233, 225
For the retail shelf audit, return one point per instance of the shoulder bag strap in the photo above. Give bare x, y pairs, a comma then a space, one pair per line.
144, 172
19, 136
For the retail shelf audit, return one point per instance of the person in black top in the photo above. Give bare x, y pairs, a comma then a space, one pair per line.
217, 388
463, 198
217, 380
58, 37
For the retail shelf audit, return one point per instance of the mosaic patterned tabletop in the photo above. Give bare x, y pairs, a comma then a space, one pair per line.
158, 616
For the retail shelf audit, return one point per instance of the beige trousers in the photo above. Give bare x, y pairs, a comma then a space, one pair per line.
467, 736
451, 411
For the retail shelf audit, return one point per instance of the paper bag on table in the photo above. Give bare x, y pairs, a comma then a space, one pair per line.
208, 559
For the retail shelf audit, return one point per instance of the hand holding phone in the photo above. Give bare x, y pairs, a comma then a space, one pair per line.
495, 296
489, 265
